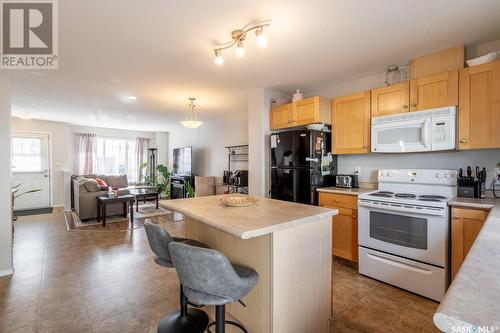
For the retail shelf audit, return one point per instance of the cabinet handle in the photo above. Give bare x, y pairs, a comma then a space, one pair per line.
365, 146
413, 105
336, 200
456, 217
405, 106
463, 141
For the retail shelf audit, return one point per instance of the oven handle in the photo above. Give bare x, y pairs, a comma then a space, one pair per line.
398, 264
400, 208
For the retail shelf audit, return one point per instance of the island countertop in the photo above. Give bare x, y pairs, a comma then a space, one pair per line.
266, 216
473, 299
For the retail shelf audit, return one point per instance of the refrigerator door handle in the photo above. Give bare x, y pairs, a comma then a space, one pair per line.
308, 159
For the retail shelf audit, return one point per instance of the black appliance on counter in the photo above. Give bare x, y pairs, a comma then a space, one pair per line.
347, 181
300, 163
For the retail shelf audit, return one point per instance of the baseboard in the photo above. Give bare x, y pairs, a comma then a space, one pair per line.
7, 272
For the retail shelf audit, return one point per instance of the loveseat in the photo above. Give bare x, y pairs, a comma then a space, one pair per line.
84, 197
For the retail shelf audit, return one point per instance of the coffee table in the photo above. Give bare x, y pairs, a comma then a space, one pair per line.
144, 194
103, 201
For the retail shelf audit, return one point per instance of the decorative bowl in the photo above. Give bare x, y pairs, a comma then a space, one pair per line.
239, 200
492, 56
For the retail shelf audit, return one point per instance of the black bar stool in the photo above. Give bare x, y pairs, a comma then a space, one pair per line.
209, 278
184, 320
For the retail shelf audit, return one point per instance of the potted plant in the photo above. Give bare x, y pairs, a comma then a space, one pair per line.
163, 180
15, 195
189, 189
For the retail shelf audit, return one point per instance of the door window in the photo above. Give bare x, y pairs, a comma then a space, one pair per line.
400, 135
26, 154
407, 231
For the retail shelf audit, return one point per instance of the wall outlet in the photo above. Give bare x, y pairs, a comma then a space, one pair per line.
357, 170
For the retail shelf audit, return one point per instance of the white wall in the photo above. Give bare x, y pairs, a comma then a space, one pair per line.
61, 150
259, 103
5, 182
208, 142
370, 163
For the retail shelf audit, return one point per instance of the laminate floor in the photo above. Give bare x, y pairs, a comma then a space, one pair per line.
106, 281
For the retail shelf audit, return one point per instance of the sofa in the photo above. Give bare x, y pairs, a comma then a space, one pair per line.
84, 197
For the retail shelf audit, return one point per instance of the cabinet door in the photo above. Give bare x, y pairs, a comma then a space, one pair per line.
306, 111
479, 115
434, 91
281, 116
391, 100
351, 124
465, 226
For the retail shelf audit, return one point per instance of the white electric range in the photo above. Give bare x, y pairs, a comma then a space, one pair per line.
404, 230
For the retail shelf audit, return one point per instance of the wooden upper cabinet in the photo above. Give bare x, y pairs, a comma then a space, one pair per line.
351, 124
479, 107
434, 91
391, 100
465, 226
281, 116
307, 111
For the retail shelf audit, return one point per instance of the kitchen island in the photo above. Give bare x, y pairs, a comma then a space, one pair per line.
288, 244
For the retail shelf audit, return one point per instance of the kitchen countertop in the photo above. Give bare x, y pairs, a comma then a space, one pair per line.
474, 295
347, 191
266, 216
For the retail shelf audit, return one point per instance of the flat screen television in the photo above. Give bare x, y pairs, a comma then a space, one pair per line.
182, 161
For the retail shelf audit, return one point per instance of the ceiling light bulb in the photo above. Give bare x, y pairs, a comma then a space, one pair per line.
261, 38
240, 51
218, 58
132, 98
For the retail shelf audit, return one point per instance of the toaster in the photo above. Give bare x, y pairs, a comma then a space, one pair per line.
347, 181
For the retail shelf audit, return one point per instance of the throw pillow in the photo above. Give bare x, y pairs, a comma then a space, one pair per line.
101, 182
119, 181
91, 185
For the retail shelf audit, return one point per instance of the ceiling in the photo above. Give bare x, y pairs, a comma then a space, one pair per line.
161, 52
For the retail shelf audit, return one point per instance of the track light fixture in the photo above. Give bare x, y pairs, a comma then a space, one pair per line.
238, 36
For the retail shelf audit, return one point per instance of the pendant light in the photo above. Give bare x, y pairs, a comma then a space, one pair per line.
191, 119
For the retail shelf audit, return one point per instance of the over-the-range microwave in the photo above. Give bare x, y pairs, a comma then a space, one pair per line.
428, 130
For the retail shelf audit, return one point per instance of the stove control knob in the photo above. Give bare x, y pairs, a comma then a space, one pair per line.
389, 174
448, 175
382, 173
439, 175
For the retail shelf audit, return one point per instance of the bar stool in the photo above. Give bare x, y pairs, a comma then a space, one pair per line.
209, 278
183, 320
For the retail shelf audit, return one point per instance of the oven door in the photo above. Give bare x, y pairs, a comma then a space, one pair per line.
401, 136
418, 236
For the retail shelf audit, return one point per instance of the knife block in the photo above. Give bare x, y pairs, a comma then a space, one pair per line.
468, 187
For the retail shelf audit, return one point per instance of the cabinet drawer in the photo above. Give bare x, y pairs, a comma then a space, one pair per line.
476, 214
338, 200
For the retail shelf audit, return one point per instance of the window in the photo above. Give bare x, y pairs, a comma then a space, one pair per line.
26, 154
117, 156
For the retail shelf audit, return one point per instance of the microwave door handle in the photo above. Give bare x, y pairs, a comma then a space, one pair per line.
425, 133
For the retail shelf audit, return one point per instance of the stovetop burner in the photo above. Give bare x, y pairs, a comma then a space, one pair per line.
435, 197
405, 195
385, 194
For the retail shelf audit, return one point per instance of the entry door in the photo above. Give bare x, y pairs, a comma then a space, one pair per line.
30, 168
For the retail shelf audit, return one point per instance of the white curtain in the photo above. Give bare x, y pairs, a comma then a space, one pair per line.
141, 154
86, 152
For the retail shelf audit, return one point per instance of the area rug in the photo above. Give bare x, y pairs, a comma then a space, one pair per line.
118, 222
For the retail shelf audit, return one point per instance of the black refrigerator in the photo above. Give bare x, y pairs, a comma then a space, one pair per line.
301, 162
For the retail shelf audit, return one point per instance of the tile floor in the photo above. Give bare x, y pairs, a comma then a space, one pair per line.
106, 281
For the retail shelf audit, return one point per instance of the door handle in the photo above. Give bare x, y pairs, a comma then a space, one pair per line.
308, 159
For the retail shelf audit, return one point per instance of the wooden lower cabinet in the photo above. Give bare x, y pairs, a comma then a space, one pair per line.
465, 226
344, 225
